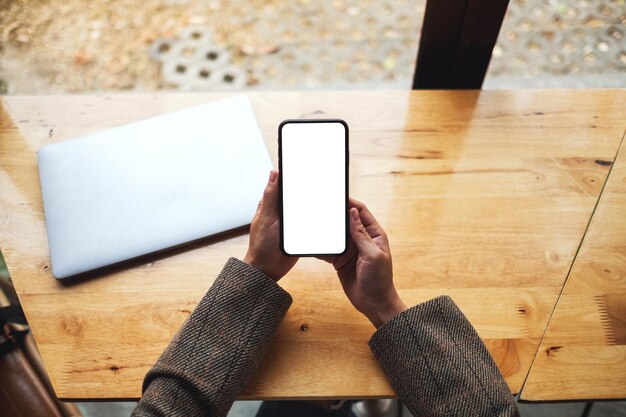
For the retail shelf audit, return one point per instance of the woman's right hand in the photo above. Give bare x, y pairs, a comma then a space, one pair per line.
365, 270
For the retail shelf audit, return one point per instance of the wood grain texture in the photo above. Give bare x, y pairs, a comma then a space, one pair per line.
485, 196
583, 353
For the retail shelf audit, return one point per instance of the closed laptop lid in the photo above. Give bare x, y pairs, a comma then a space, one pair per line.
151, 185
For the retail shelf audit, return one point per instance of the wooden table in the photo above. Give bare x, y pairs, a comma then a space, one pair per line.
485, 196
583, 353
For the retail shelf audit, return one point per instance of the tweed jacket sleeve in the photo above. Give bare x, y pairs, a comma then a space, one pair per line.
218, 348
438, 365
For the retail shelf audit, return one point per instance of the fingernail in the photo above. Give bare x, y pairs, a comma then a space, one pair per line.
355, 214
273, 176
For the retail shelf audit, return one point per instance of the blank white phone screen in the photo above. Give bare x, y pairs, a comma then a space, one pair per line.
314, 188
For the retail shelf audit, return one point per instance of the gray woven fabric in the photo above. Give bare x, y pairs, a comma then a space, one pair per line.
438, 365
430, 353
218, 348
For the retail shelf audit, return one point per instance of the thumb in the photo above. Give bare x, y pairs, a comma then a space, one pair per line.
269, 201
361, 238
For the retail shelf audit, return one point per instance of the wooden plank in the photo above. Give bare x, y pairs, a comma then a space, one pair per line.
456, 43
583, 353
485, 196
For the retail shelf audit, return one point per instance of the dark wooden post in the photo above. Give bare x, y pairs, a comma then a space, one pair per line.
456, 43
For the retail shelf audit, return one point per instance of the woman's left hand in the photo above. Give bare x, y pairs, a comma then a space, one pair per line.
264, 247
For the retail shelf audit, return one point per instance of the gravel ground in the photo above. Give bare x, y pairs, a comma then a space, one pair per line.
76, 46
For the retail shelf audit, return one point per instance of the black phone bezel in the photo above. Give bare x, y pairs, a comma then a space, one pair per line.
280, 183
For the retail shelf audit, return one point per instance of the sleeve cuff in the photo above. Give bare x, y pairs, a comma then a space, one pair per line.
254, 277
430, 307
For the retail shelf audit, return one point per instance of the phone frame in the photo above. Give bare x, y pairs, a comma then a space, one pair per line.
280, 183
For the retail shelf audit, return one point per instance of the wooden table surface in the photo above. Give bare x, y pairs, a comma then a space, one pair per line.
583, 353
485, 196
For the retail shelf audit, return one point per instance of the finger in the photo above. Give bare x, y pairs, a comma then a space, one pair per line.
360, 236
269, 201
350, 256
353, 202
368, 219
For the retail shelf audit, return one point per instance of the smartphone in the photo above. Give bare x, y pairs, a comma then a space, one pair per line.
313, 160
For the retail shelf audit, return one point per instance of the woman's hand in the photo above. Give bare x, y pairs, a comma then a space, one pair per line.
264, 247
365, 270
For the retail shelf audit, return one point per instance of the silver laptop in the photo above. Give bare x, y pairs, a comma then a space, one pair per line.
151, 185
